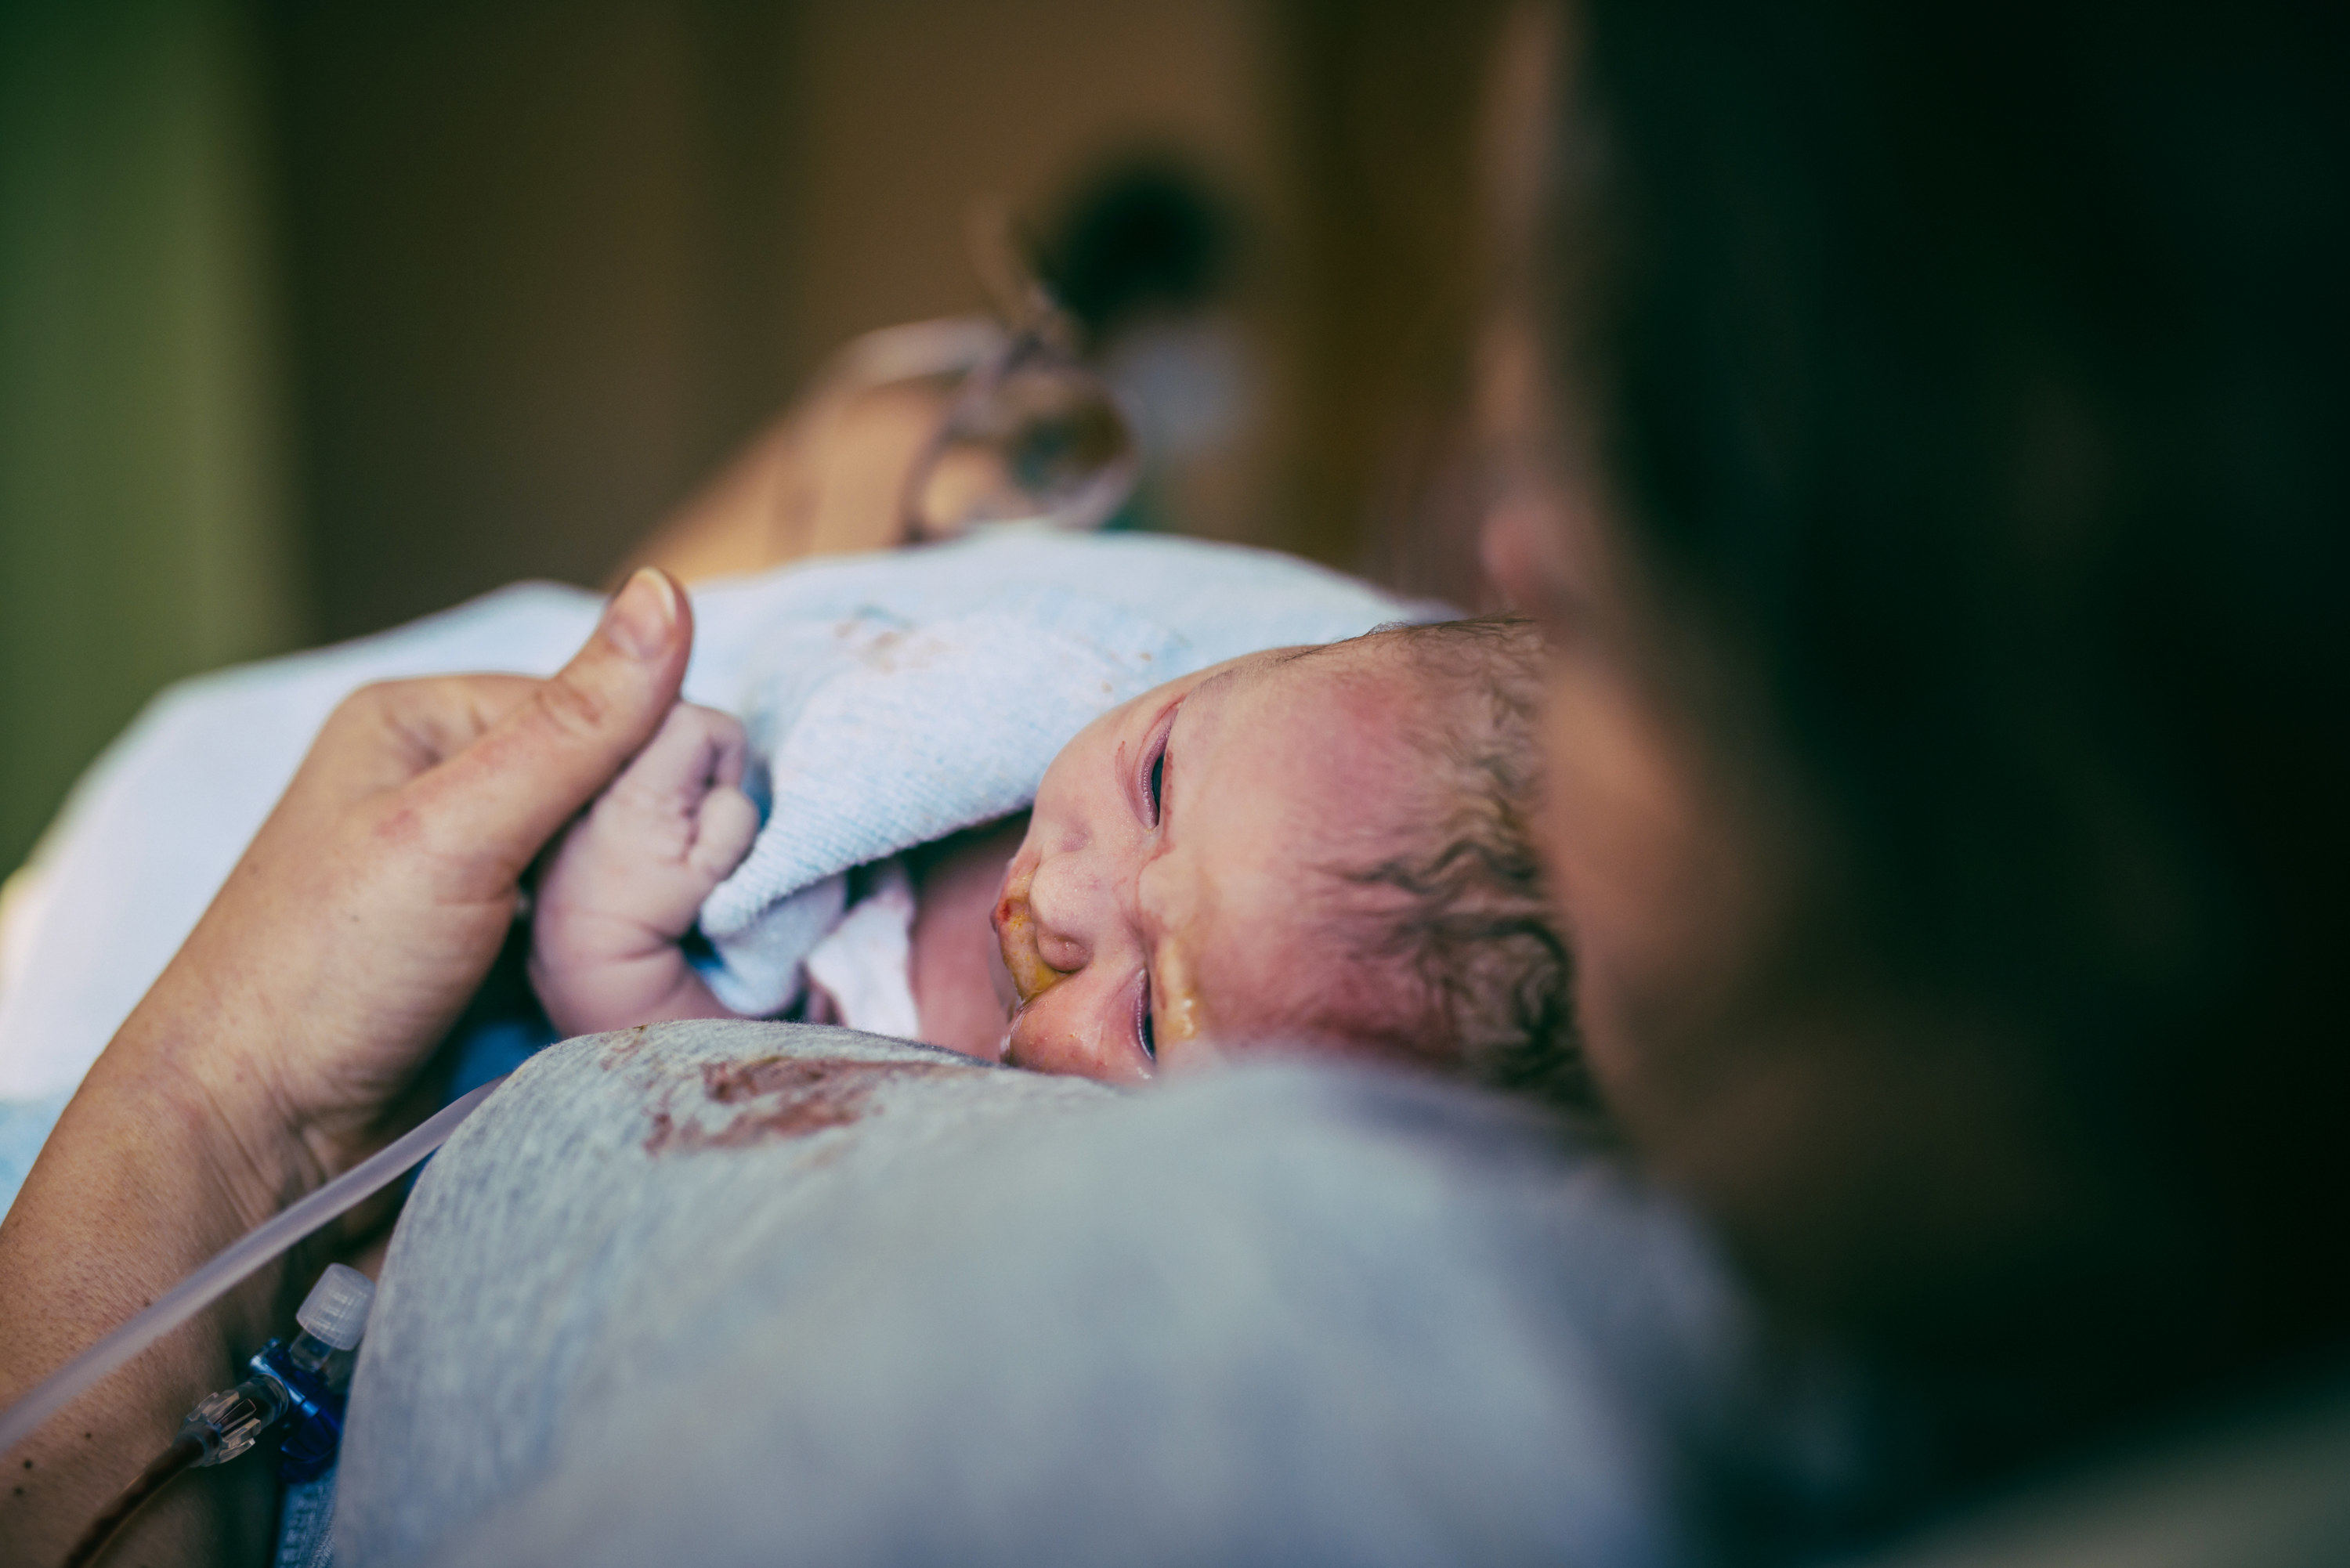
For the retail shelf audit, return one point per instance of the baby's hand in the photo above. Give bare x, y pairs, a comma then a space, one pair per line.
627, 879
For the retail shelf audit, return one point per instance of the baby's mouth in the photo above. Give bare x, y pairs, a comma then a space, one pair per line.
1015, 934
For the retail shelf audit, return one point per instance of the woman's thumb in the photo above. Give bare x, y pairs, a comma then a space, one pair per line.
531, 772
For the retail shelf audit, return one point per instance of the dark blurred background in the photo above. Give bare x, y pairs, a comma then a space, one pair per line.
315, 319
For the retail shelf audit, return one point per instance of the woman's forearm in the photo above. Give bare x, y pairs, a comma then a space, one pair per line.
279, 1047
155, 1166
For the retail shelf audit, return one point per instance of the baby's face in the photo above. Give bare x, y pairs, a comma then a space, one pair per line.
1163, 910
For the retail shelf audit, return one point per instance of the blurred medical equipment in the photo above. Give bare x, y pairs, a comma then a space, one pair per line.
1030, 436
1033, 436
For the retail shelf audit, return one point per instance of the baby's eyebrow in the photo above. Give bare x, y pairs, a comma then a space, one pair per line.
1182, 708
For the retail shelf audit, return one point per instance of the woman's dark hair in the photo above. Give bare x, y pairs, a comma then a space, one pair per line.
1976, 376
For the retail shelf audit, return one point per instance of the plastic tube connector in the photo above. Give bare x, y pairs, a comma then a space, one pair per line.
296, 1389
336, 1310
230, 1421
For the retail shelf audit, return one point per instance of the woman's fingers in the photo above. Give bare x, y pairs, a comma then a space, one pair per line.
371, 903
381, 736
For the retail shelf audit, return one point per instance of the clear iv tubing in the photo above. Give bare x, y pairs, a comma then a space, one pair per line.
233, 1266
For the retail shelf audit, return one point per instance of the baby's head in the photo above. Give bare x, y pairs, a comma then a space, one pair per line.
1318, 847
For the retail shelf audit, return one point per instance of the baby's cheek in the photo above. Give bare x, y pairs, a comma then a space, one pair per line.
1063, 1031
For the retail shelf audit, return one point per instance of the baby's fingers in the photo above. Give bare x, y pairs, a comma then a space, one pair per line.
695, 751
728, 823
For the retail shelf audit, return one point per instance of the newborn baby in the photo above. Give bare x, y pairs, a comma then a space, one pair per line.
1314, 848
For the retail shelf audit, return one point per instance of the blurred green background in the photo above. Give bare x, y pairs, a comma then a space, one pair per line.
315, 318
146, 519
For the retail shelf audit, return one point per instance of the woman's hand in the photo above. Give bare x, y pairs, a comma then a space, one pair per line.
282, 1043
374, 900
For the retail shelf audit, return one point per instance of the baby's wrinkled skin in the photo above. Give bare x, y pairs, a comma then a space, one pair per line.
1160, 914
628, 878
1165, 909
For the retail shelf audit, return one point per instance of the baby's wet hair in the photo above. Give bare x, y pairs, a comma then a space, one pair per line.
1454, 903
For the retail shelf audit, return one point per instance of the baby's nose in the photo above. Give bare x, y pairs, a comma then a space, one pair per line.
1072, 907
